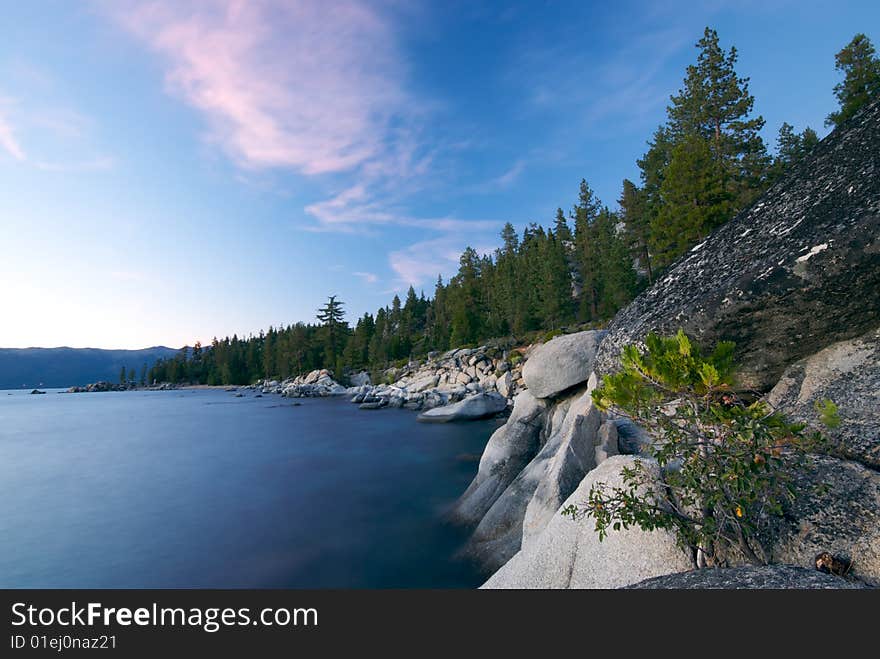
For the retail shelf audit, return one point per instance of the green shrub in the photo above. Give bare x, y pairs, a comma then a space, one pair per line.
727, 464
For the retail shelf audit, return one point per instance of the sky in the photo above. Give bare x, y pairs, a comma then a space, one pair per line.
176, 170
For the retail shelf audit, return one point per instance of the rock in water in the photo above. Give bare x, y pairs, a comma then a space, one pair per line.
561, 363
568, 554
510, 448
478, 406
749, 576
847, 373
526, 506
795, 272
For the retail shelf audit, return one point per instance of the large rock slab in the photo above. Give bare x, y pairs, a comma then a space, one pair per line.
750, 577
848, 373
479, 406
561, 363
510, 448
568, 554
795, 272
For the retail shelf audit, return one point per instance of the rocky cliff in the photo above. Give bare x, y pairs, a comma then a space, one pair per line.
794, 273
795, 282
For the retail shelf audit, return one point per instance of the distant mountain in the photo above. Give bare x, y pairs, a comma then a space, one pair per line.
65, 367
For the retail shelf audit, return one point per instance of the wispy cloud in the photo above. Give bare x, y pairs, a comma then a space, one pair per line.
422, 262
625, 86
314, 86
58, 137
368, 277
503, 181
100, 163
8, 138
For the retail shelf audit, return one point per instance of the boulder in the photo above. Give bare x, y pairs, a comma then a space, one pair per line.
792, 274
568, 554
510, 448
423, 382
561, 363
848, 373
749, 577
478, 406
360, 379
503, 384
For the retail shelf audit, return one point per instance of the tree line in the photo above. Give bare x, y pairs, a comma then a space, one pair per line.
706, 163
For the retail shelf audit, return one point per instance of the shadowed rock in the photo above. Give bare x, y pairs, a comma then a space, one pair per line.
847, 373
751, 577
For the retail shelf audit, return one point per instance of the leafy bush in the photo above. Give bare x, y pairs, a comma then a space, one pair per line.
727, 463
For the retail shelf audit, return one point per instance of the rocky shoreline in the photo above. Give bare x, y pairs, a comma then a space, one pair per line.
104, 386
806, 324
466, 383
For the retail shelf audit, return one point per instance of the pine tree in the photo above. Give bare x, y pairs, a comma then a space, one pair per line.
585, 213
331, 316
715, 104
791, 147
122, 378
560, 227
616, 279
637, 224
861, 83
466, 300
695, 201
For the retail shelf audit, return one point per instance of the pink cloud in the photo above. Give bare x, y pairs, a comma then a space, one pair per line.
313, 85
8, 139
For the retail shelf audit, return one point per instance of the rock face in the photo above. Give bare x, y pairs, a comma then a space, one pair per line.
848, 373
526, 505
795, 272
536, 460
749, 577
561, 363
510, 448
478, 406
837, 511
568, 554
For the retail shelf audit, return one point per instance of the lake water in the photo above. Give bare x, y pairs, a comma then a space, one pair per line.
198, 488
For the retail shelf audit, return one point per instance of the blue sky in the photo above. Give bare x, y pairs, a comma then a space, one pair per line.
171, 170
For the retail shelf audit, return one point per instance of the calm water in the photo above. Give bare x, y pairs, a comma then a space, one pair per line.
202, 489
